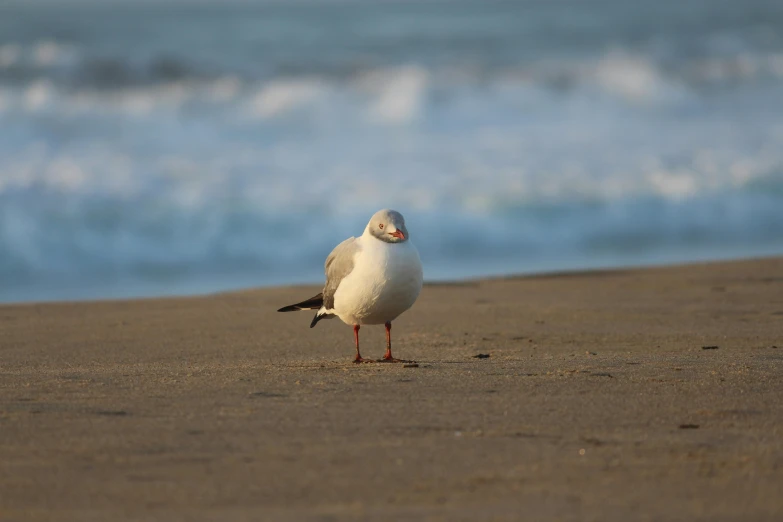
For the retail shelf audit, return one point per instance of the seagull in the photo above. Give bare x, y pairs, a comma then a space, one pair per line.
370, 279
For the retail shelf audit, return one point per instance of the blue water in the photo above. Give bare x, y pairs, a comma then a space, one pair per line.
181, 147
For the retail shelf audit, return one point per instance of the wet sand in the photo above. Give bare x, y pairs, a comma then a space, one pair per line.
651, 394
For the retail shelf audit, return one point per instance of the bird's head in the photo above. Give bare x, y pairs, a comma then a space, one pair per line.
389, 226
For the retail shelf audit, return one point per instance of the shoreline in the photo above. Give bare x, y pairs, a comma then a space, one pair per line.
648, 393
510, 276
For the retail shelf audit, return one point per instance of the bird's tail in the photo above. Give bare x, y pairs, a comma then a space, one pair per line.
314, 303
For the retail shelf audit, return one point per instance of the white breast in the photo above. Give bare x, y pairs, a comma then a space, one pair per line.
385, 281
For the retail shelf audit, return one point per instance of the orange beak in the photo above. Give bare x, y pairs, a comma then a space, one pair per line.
398, 234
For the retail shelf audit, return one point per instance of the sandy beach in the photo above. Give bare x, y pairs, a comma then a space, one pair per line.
649, 394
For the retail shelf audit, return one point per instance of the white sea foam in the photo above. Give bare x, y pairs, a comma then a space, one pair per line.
398, 94
46, 53
9, 54
225, 89
38, 95
633, 78
279, 97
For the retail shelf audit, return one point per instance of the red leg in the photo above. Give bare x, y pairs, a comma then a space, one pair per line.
388, 357
359, 358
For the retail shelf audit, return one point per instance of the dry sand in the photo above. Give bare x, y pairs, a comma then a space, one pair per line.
599, 401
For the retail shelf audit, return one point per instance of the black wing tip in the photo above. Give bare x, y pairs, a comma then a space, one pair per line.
314, 303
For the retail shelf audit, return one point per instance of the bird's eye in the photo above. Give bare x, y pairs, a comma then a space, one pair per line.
380, 226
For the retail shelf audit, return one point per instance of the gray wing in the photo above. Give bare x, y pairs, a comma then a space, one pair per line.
338, 265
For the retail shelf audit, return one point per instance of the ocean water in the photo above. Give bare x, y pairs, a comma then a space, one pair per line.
174, 147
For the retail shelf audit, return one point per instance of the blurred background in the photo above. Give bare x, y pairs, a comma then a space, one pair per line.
175, 146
